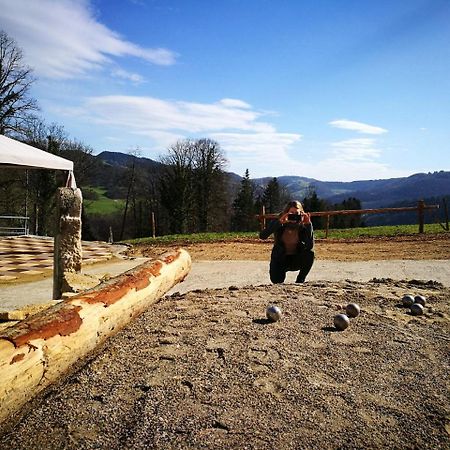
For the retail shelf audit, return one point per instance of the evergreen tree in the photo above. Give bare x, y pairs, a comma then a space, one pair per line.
244, 206
347, 221
272, 197
312, 203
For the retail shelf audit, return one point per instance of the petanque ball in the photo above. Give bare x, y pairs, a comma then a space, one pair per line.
341, 321
416, 309
273, 313
352, 310
420, 299
407, 300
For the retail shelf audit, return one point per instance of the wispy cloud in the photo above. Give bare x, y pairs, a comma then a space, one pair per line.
268, 152
359, 127
247, 139
352, 159
63, 38
141, 114
356, 150
129, 76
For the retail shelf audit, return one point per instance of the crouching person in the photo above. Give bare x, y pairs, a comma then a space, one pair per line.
294, 243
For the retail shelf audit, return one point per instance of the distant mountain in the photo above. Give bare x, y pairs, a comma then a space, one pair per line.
124, 160
372, 193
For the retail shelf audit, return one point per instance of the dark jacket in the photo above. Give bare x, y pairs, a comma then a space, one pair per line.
305, 234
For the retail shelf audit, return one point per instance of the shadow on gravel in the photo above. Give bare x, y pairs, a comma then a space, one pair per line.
330, 329
262, 321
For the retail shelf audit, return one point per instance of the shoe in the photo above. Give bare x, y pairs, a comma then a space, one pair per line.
300, 279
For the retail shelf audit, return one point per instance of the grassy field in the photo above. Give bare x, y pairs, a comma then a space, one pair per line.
101, 205
348, 233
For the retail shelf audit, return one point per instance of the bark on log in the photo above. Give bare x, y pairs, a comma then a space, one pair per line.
36, 352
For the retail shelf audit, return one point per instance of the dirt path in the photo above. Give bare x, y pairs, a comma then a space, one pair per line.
413, 247
219, 274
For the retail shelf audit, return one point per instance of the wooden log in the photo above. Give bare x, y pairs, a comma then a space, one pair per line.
37, 351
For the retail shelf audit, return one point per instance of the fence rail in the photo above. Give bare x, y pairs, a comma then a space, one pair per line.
420, 208
22, 229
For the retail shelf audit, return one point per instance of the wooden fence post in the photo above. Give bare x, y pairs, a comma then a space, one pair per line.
153, 225
263, 221
420, 211
444, 200
327, 227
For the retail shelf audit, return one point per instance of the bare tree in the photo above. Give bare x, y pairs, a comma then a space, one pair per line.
209, 164
176, 186
193, 186
16, 79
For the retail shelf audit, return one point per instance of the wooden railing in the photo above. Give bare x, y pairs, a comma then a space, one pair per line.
420, 208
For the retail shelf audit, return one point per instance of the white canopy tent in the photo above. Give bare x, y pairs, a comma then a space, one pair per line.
15, 154
19, 155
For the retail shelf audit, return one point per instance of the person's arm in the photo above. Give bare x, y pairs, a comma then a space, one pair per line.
308, 232
272, 226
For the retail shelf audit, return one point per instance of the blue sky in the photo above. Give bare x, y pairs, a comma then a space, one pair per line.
329, 89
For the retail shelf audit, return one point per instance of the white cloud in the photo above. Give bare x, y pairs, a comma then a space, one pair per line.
162, 139
140, 114
354, 159
355, 150
262, 153
359, 127
125, 75
248, 140
64, 39
238, 127
234, 103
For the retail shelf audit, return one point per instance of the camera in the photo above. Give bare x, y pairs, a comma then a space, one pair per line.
295, 217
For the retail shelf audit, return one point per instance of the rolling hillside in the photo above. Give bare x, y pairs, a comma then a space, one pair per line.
373, 193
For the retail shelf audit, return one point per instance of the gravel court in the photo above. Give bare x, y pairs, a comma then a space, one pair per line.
206, 370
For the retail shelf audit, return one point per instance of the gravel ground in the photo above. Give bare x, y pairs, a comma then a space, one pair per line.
206, 370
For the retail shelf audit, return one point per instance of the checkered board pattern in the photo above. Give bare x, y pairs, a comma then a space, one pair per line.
31, 255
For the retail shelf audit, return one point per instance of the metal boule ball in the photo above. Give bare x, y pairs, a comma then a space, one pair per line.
408, 300
352, 310
273, 313
416, 309
420, 299
341, 321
